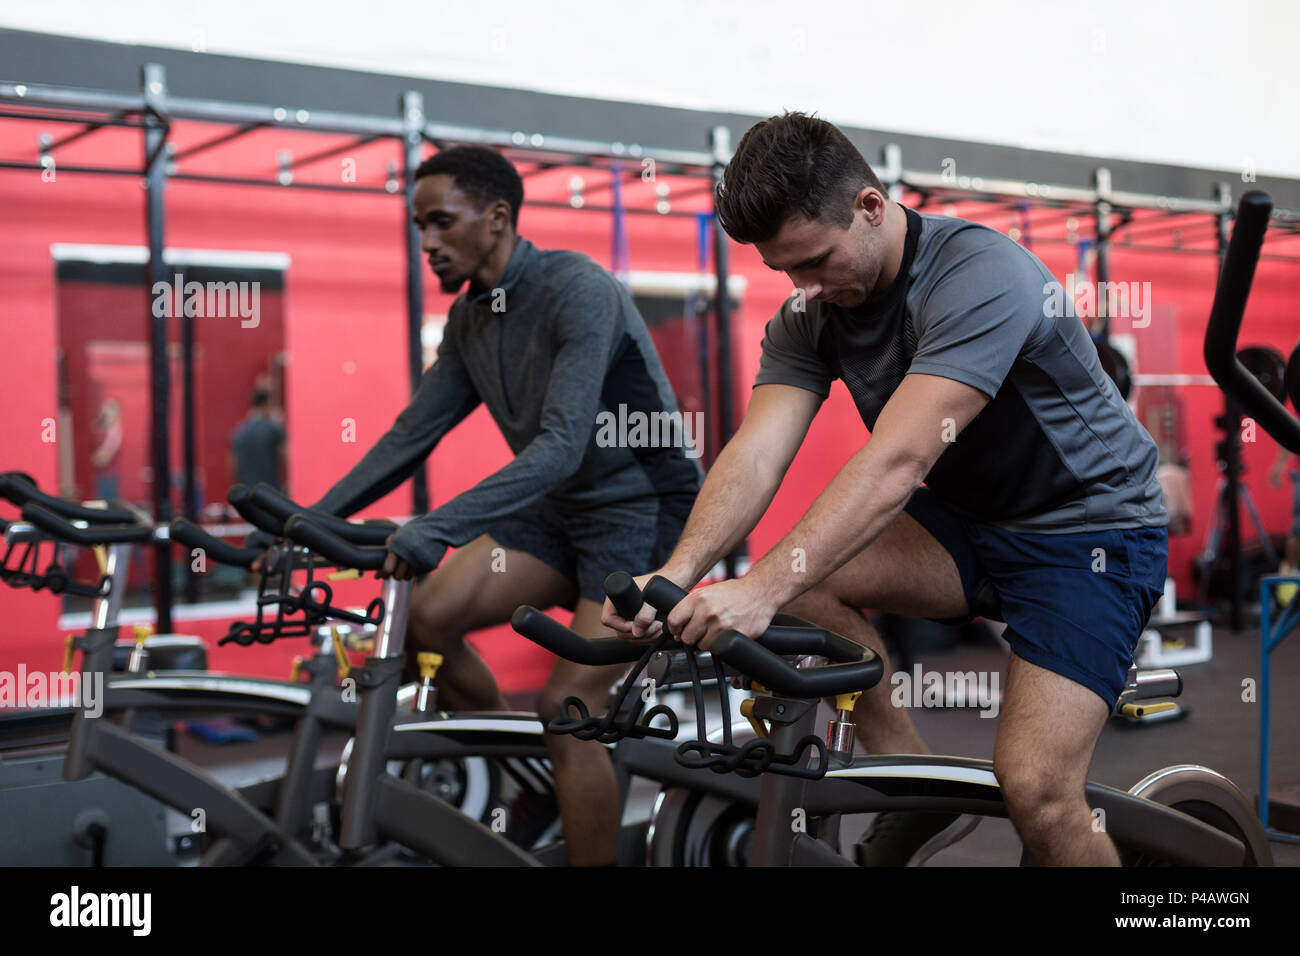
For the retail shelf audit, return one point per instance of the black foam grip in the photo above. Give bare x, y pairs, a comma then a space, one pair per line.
662, 594
193, 536
368, 535
20, 490
241, 499
567, 643
1293, 377
751, 658
1230, 295
55, 525
810, 640
624, 594
343, 553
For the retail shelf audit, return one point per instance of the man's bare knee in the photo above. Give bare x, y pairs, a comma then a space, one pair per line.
1035, 796
433, 624
550, 703
592, 690
819, 602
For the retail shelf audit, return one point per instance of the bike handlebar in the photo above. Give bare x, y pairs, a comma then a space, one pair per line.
1292, 378
857, 669
283, 508
302, 529
758, 661
57, 526
241, 499
564, 642
19, 489
192, 535
1230, 295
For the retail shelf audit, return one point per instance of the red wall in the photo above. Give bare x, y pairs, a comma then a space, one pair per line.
345, 337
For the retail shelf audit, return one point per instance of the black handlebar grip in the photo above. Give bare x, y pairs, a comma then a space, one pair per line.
1293, 377
662, 594
810, 640
55, 525
241, 499
19, 489
624, 594
567, 643
1230, 295
764, 666
780, 639
344, 554
282, 507
220, 551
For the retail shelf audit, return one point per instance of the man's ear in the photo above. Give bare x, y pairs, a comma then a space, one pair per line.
872, 203
500, 216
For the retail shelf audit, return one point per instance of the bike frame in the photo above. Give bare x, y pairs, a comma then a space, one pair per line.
938, 783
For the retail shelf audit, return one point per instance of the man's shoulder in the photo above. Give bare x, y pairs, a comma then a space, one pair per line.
559, 268
946, 238
800, 318
951, 248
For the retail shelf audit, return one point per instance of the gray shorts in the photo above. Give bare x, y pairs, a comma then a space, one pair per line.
588, 546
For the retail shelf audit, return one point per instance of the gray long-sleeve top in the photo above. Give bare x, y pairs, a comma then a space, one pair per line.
555, 344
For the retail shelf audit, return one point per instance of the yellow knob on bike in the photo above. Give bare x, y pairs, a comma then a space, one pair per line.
345, 575
295, 670
846, 701
340, 654
68, 643
747, 711
429, 663
142, 633
101, 557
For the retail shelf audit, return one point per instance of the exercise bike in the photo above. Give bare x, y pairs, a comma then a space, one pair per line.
1183, 815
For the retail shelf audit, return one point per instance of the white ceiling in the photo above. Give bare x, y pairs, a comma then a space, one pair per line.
1193, 82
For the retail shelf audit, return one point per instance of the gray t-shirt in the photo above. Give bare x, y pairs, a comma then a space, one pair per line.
557, 343
1056, 450
256, 446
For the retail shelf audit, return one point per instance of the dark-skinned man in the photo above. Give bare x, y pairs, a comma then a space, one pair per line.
547, 340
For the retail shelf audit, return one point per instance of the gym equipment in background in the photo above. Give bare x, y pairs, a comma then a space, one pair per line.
1263, 401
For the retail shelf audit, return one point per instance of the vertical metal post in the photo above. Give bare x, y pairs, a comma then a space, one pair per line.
1101, 327
412, 140
1231, 449
891, 173
720, 142
155, 181
190, 506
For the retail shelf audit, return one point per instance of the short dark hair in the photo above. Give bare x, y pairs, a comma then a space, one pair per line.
260, 397
786, 166
482, 174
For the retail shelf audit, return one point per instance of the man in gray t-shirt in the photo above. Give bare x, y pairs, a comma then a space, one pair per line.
1004, 475
257, 446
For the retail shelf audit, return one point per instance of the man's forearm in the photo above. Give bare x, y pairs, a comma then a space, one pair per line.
736, 492
852, 511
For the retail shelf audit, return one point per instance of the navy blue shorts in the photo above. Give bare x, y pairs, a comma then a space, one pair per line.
587, 546
1074, 604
